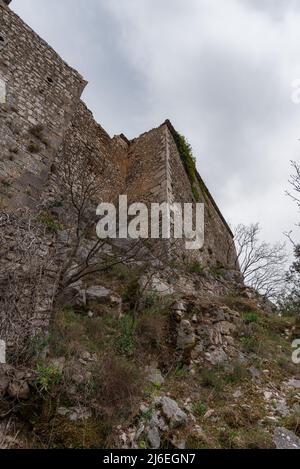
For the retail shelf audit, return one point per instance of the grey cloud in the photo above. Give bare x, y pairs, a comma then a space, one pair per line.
276, 9
221, 71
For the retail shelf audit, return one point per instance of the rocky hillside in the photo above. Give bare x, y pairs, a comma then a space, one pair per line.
184, 358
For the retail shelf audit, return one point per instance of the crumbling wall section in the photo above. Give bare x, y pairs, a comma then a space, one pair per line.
87, 149
146, 179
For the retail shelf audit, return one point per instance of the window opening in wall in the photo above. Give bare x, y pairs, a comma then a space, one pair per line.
2, 91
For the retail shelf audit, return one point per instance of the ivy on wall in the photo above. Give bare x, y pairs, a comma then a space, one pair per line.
189, 162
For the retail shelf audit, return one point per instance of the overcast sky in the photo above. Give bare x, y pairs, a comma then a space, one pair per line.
221, 71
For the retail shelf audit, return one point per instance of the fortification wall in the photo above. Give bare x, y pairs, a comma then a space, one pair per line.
49, 139
39, 93
146, 179
218, 245
91, 157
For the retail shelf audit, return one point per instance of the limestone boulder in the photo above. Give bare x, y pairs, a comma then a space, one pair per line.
186, 337
172, 412
153, 438
217, 356
285, 439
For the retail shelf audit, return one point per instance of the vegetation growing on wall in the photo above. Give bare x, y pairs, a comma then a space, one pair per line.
189, 162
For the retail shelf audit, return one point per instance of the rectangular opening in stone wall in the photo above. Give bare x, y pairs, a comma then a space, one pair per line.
2, 91
2, 351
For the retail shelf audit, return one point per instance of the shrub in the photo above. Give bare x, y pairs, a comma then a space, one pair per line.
131, 294
237, 374
151, 299
150, 330
5, 183
195, 268
250, 344
62, 433
47, 377
199, 408
250, 438
251, 317
120, 271
181, 371
292, 422
242, 305
33, 148
125, 340
189, 162
212, 379
117, 385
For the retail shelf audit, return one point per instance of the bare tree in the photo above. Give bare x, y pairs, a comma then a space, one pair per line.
79, 177
290, 297
27, 281
295, 183
262, 264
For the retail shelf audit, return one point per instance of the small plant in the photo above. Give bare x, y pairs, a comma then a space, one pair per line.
150, 300
292, 422
212, 379
250, 344
33, 148
156, 385
147, 414
216, 271
142, 444
195, 268
181, 372
189, 162
120, 271
6, 183
251, 318
131, 294
39, 343
199, 408
47, 376
125, 341
237, 374
50, 222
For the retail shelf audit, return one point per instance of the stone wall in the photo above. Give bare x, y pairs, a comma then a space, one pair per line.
43, 123
39, 95
218, 246
89, 153
146, 179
